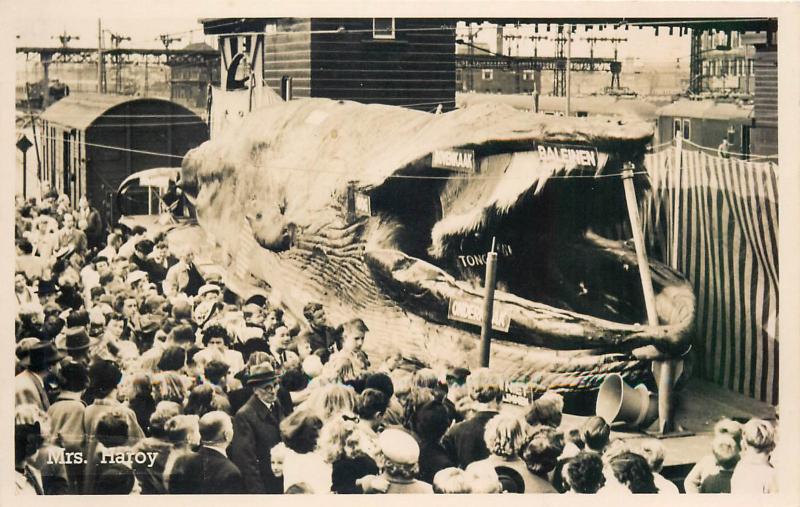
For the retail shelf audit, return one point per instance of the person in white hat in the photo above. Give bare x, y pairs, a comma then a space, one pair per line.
399, 462
210, 304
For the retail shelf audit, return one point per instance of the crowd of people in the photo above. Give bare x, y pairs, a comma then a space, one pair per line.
137, 373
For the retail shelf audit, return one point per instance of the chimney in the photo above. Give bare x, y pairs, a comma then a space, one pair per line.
499, 50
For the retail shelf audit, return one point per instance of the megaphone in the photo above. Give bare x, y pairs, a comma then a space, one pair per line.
617, 402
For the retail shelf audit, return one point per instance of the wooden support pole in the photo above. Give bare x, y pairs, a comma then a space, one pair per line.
568, 111
488, 305
665, 370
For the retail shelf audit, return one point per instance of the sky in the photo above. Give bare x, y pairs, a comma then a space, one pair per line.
43, 31
145, 20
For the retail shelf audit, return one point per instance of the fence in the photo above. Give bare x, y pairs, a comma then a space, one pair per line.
716, 220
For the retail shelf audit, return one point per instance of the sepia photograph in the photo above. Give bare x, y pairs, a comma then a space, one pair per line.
465, 250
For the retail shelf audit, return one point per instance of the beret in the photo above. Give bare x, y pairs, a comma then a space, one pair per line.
398, 446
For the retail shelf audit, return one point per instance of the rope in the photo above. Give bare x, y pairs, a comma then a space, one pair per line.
130, 150
714, 151
392, 176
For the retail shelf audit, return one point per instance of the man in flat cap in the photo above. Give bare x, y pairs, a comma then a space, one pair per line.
256, 431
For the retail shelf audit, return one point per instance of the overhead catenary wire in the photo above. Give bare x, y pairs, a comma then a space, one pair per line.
110, 147
393, 176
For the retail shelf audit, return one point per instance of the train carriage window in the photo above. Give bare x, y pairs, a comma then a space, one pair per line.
687, 129
383, 28
487, 74
676, 127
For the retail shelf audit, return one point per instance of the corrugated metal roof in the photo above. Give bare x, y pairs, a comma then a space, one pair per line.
80, 110
594, 105
707, 109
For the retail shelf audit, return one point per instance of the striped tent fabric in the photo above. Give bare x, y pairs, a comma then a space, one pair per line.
716, 220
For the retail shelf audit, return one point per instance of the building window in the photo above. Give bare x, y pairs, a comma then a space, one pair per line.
683, 126
383, 28
487, 74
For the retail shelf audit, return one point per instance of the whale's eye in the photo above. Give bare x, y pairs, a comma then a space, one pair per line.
259, 216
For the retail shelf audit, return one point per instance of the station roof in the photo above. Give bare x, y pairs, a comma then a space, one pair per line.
213, 26
80, 110
594, 105
708, 109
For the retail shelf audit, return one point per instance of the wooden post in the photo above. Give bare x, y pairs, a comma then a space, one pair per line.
488, 305
665, 369
25, 174
537, 86
569, 64
677, 166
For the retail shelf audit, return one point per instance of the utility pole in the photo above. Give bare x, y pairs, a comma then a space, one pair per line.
116, 40
516, 66
471, 52
65, 38
516, 38
569, 71
535, 39
616, 67
696, 63
537, 68
101, 69
613, 40
559, 73
167, 41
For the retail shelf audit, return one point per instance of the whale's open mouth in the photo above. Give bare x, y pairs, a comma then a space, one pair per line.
432, 229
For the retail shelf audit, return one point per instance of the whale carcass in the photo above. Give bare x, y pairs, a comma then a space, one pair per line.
387, 213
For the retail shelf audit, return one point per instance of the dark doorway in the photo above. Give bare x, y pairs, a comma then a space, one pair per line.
66, 165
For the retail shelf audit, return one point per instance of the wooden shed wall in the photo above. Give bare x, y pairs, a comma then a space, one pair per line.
765, 133
288, 53
415, 69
